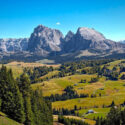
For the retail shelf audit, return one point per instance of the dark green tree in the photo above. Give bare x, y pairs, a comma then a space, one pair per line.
12, 102
25, 89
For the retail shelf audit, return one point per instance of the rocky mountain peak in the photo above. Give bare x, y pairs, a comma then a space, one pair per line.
69, 35
90, 34
48, 43
45, 40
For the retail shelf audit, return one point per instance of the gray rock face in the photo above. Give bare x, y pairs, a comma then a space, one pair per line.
69, 36
90, 39
45, 40
90, 34
13, 45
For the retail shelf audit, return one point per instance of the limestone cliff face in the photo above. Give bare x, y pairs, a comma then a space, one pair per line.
90, 39
45, 40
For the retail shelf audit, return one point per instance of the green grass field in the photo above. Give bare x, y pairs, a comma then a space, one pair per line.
98, 112
4, 120
57, 85
17, 67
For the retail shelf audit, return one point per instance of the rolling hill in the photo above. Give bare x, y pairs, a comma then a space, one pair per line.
100, 94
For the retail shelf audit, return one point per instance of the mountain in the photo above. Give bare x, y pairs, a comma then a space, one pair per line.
69, 35
45, 40
13, 45
89, 42
122, 41
86, 38
47, 43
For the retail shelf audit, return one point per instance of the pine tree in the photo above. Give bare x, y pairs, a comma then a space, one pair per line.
10, 96
42, 110
24, 86
21, 103
18, 101
113, 117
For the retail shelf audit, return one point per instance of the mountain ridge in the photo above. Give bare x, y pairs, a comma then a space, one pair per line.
48, 43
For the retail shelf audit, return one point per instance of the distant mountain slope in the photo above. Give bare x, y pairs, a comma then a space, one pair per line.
8, 45
47, 43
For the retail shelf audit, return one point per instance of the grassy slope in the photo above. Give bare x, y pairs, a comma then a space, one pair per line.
112, 90
91, 122
18, 67
4, 120
115, 63
57, 85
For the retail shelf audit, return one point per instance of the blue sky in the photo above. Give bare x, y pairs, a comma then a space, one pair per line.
18, 18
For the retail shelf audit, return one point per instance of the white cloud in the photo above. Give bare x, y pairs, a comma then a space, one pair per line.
58, 23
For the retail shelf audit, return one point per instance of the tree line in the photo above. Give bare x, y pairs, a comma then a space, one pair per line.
66, 69
70, 93
78, 67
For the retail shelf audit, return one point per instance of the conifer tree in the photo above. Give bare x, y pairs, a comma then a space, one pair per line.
24, 86
10, 96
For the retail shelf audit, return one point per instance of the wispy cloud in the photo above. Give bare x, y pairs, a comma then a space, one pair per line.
58, 23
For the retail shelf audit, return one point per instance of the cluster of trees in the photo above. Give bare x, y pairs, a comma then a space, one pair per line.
37, 72
73, 67
108, 73
95, 79
20, 102
94, 67
63, 111
67, 111
69, 121
78, 67
70, 93
116, 116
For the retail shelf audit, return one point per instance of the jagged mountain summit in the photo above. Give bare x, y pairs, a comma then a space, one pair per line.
50, 43
45, 40
68, 36
87, 39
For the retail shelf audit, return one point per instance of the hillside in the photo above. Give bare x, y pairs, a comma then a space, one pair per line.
100, 93
78, 87
4, 120
18, 67
20, 103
